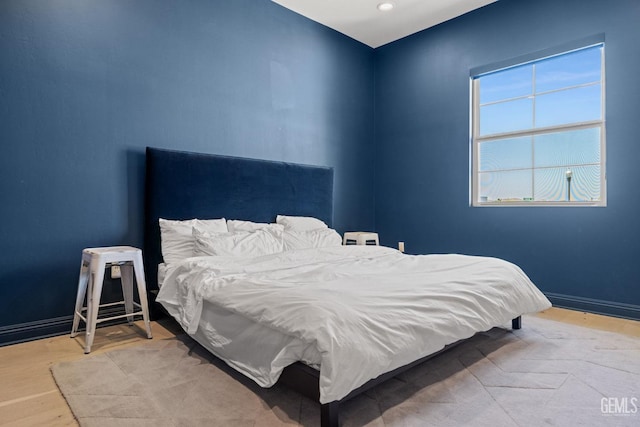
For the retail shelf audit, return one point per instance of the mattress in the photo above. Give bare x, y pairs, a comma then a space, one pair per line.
357, 311
257, 351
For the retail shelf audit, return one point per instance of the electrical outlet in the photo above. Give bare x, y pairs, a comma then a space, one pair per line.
115, 272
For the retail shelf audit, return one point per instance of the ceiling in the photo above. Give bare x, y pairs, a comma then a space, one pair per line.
361, 19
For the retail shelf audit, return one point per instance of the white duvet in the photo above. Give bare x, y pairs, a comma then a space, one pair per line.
367, 309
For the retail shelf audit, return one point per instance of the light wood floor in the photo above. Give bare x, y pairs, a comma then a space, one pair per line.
30, 397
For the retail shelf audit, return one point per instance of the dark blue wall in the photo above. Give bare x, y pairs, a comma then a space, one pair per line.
583, 257
85, 85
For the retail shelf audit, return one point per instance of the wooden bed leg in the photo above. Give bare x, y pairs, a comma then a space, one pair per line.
516, 323
329, 414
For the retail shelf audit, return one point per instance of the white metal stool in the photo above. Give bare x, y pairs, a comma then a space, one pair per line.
94, 263
360, 238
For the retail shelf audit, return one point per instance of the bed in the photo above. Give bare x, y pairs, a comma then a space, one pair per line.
250, 308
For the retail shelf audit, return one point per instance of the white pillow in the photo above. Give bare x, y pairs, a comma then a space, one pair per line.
322, 238
239, 225
176, 238
241, 243
300, 223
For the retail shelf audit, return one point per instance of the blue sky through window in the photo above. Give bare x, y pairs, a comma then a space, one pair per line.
555, 92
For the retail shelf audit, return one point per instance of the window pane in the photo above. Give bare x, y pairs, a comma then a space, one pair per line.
585, 183
568, 106
506, 116
505, 186
510, 153
570, 69
517, 158
510, 83
551, 184
567, 148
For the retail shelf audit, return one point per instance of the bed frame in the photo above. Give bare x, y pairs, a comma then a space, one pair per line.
183, 185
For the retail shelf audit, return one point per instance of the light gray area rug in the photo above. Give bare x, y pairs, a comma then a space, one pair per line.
546, 374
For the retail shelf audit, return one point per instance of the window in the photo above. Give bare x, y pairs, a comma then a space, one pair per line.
538, 132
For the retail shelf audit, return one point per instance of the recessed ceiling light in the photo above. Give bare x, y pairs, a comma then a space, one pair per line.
385, 7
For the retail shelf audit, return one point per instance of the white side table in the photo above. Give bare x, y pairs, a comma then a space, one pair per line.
360, 238
94, 263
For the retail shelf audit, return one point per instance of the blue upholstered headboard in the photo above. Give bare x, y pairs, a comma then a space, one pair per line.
182, 185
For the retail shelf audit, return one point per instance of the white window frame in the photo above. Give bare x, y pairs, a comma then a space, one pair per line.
476, 139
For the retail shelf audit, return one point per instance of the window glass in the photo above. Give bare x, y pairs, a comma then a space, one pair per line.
509, 153
506, 116
538, 132
511, 83
567, 148
506, 186
552, 184
570, 69
580, 104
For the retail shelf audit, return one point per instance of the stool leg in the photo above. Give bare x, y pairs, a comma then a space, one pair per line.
89, 313
82, 291
126, 278
138, 267
93, 301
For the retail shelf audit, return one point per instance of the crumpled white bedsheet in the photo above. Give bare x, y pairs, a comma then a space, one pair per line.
367, 309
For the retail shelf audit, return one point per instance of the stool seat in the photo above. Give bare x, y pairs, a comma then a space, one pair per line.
92, 271
113, 250
360, 238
